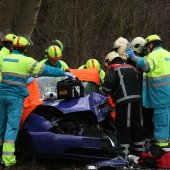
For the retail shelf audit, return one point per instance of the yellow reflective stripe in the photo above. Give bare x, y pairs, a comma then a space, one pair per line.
14, 74
33, 66
13, 82
8, 147
9, 141
162, 144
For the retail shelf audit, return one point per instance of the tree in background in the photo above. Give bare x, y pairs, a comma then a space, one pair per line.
19, 16
87, 28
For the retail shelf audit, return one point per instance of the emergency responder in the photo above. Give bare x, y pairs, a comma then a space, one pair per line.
58, 43
15, 69
121, 41
122, 84
156, 86
91, 63
119, 46
6, 44
54, 56
91, 86
138, 46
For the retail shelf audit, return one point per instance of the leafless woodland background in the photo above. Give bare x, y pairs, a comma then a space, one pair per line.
87, 28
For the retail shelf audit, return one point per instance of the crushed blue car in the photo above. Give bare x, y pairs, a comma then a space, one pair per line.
76, 129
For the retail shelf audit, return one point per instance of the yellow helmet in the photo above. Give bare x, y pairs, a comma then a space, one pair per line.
9, 38
20, 42
109, 58
54, 52
92, 63
152, 38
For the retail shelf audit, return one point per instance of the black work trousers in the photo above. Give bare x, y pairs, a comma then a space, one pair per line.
129, 122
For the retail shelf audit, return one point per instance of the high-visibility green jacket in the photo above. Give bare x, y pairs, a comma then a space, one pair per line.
4, 51
16, 68
156, 80
60, 64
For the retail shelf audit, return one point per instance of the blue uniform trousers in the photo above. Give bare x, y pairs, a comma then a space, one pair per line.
10, 115
162, 124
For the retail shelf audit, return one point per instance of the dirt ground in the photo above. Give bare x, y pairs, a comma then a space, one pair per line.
50, 165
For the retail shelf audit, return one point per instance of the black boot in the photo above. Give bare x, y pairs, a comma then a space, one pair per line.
2, 165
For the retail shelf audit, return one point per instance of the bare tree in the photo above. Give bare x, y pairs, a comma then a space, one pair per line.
7, 11
26, 18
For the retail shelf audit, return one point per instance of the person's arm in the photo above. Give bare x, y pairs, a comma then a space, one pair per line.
141, 63
110, 82
40, 69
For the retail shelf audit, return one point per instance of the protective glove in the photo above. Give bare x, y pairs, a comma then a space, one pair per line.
69, 75
29, 80
130, 52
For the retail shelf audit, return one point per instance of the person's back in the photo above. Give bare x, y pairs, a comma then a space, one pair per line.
122, 84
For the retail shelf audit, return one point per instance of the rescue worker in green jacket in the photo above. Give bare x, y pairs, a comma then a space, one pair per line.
6, 44
54, 56
58, 43
16, 68
94, 63
90, 86
156, 86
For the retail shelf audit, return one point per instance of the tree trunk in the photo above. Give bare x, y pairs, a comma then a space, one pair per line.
27, 17
7, 15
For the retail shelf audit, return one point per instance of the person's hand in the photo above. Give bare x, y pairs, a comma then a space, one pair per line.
69, 75
130, 52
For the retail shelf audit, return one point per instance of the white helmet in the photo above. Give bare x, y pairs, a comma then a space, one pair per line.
137, 44
109, 58
120, 42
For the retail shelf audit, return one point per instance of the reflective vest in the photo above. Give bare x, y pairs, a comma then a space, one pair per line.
60, 64
16, 69
156, 83
4, 51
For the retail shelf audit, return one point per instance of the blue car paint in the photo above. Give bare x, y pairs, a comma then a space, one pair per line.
87, 103
49, 144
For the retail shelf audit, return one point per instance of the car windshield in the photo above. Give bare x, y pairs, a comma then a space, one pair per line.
47, 84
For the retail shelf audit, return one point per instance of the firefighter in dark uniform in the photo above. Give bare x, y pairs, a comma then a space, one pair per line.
122, 84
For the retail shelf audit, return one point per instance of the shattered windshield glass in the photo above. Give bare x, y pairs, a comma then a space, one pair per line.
47, 84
